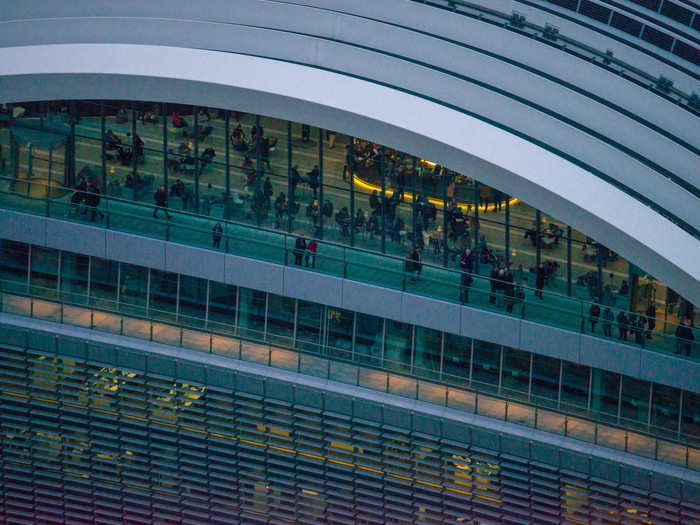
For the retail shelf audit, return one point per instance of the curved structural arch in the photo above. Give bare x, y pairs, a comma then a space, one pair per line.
365, 109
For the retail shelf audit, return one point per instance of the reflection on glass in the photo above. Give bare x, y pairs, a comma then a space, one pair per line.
309, 325
368, 338
455, 366
428, 347
486, 365
74, 277
574, 385
515, 379
280, 323
634, 402
545, 380
222, 307
104, 275
251, 313
397, 345
605, 393
193, 301
44, 268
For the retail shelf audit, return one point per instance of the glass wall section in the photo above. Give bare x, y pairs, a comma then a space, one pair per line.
546, 372
486, 365
515, 375
221, 314
280, 322
104, 282
251, 313
665, 406
634, 401
605, 394
369, 333
44, 272
398, 341
575, 382
309, 317
456, 362
74, 277
338, 332
133, 289
14, 264
427, 352
164, 295
305, 178
690, 419
192, 309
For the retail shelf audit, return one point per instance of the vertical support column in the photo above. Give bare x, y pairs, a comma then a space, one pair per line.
134, 157
351, 178
195, 115
476, 226
320, 182
290, 187
163, 112
383, 200
538, 233
599, 263
414, 198
568, 261
102, 146
443, 178
507, 231
227, 154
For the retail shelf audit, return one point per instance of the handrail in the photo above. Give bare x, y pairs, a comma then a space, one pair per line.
332, 354
445, 284
691, 102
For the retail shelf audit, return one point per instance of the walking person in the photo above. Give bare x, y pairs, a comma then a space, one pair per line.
161, 198
608, 318
216, 233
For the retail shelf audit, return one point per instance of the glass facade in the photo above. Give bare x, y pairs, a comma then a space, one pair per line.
235, 168
147, 295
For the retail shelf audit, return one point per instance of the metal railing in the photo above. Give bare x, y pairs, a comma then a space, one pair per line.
353, 263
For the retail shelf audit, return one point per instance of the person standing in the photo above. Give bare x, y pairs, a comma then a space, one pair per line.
92, 200
161, 198
622, 325
416, 265
539, 282
651, 319
684, 337
299, 249
493, 276
217, 232
78, 197
593, 315
466, 263
607, 322
310, 254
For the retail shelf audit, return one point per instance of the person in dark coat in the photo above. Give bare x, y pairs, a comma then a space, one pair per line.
493, 276
92, 200
217, 233
417, 265
509, 290
651, 319
593, 315
622, 325
78, 197
607, 322
299, 249
539, 282
684, 337
466, 263
313, 178
161, 198
639, 333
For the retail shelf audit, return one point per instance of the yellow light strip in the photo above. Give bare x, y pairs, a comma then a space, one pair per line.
437, 202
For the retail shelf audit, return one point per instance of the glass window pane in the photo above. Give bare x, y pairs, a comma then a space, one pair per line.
428, 346
193, 301
74, 277
486, 365
455, 366
132, 289
222, 307
545, 380
635, 401
664, 408
339, 332
397, 347
280, 320
44, 266
309, 325
251, 313
604, 395
690, 423
515, 381
574, 386
14, 258
163, 295
103, 282
368, 338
